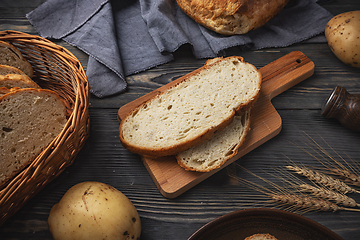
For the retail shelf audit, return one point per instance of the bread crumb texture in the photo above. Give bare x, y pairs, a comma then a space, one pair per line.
202, 101
30, 120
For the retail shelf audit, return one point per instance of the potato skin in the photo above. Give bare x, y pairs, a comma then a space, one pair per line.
343, 35
94, 210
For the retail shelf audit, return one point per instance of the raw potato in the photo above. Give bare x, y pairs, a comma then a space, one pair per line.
343, 35
94, 210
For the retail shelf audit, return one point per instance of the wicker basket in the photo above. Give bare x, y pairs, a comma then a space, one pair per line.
57, 69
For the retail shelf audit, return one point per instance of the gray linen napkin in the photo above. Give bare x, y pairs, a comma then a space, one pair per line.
129, 36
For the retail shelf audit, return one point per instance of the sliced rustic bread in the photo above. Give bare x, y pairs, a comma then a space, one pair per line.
10, 55
189, 113
214, 152
17, 80
4, 90
30, 120
5, 70
261, 236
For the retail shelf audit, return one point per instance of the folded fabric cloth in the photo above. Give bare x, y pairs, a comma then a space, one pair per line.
126, 37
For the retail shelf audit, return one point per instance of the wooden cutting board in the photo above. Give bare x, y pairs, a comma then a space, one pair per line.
278, 76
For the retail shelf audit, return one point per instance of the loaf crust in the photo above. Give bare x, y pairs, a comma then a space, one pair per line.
189, 113
30, 120
17, 80
5, 90
10, 55
230, 17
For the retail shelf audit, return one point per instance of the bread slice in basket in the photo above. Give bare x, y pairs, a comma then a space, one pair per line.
10, 55
17, 80
213, 153
5, 70
30, 120
5, 90
201, 103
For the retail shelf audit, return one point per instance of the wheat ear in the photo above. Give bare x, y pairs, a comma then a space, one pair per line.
305, 202
348, 176
323, 193
323, 179
344, 170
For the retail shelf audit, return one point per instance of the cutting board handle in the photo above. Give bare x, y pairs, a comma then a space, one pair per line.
285, 73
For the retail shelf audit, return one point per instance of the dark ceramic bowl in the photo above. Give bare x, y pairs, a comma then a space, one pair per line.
281, 224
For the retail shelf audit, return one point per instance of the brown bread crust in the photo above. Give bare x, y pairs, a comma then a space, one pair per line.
230, 17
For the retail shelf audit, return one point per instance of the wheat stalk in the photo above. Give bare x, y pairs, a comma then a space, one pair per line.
305, 202
299, 197
348, 176
287, 199
349, 173
323, 193
323, 179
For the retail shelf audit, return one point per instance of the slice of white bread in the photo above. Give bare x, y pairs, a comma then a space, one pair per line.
189, 113
30, 120
10, 55
214, 152
261, 236
17, 80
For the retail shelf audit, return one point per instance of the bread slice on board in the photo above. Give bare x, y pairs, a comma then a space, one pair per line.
189, 113
214, 152
10, 55
17, 80
232, 16
30, 120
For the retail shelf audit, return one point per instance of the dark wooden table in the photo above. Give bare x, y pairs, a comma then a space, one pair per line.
104, 159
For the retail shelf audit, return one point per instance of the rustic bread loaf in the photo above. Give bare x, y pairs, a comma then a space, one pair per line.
261, 236
30, 120
203, 102
231, 17
214, 152
17, 80
10, 55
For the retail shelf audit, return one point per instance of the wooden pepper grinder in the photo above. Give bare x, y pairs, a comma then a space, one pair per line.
344, 107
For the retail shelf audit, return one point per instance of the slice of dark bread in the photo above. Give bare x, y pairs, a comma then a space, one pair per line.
30, 120
10, 55
17, 80
6, 69
5, 90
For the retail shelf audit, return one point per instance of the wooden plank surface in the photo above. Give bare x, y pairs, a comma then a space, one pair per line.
277, 77
104, 159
